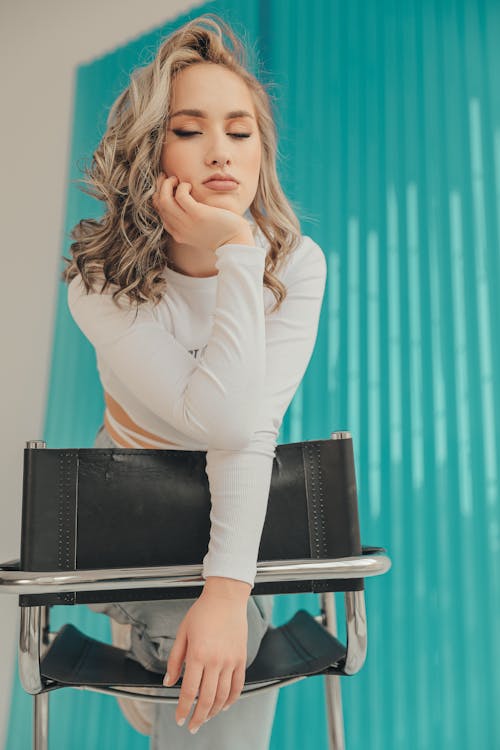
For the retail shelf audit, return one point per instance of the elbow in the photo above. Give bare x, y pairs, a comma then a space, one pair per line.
232, 435
234, 428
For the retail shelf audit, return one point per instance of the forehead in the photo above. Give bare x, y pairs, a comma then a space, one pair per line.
211, 88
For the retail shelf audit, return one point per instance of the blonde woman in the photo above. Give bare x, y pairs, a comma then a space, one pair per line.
202, 300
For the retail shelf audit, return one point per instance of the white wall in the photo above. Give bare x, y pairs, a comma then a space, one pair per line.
41, 43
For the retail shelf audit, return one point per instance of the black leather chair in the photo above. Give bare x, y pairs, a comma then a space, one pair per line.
116, 524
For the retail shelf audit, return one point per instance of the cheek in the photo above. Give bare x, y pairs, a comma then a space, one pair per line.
256, 164
255, 159
168, 156
173, 155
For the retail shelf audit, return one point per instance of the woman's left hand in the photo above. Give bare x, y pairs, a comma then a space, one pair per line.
212, 640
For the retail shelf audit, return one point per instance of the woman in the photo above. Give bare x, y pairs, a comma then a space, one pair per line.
202, 300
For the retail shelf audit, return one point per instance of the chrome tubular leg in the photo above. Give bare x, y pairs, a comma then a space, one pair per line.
41, 721
29, 649
333, 695
33, 641
32, 645
357, 632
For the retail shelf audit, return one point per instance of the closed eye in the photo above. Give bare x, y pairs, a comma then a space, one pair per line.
186, 133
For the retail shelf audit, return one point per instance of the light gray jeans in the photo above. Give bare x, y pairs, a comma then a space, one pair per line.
247, 725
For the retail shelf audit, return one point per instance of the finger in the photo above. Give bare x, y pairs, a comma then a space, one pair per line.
170, 212
208, 692
184, 198
189, 690
176, 657
170, 188
237, 685
223, 691
159, 182
163, 197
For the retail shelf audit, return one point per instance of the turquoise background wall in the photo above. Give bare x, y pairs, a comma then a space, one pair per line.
389, 125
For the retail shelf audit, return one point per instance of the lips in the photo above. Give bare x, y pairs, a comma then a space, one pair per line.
219, 177
221, 184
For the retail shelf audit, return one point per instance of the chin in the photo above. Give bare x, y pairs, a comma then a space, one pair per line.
227, 196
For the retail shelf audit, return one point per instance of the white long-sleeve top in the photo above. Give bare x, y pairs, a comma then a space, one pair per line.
210, 368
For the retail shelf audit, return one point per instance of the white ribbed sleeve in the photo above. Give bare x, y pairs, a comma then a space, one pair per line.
239, 480
213, 399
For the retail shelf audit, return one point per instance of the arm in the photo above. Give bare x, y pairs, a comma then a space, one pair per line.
211, 399
216, 627
240, 479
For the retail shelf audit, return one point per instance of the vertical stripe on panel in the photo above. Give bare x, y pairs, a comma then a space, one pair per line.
489, 446
442, 662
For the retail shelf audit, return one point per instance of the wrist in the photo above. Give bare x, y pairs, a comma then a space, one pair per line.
242, 237
227, 588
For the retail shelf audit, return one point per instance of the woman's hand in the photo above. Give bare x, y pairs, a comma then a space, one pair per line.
212, 639
192, 222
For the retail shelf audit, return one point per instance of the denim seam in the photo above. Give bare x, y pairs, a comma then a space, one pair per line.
129, 617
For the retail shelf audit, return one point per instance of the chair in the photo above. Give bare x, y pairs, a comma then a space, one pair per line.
76, 548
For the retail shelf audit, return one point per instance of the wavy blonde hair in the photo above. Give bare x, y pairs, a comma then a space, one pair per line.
128, 245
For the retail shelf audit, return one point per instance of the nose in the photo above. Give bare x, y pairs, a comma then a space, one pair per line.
218, 153
218, 161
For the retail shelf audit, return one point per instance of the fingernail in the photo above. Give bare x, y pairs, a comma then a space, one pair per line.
226, 708
194, 730
166, 679
180, 722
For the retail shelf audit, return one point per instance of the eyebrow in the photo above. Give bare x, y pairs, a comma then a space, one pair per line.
204, 115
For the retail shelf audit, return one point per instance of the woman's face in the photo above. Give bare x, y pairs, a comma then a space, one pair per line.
217, 146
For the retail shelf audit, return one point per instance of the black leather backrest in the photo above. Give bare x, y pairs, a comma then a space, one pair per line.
117, 507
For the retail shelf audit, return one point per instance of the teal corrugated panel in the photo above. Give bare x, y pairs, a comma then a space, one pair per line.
388, 116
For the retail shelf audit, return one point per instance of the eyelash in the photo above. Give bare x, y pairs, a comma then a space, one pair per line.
186, 133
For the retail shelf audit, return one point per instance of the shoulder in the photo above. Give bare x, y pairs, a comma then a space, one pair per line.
76, 288
102, 318
308, 251
77, 294
306, 254
306, 260
303, 272
81, 300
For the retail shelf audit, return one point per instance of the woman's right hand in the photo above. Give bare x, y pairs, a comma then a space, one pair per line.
194, 223
212, 640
